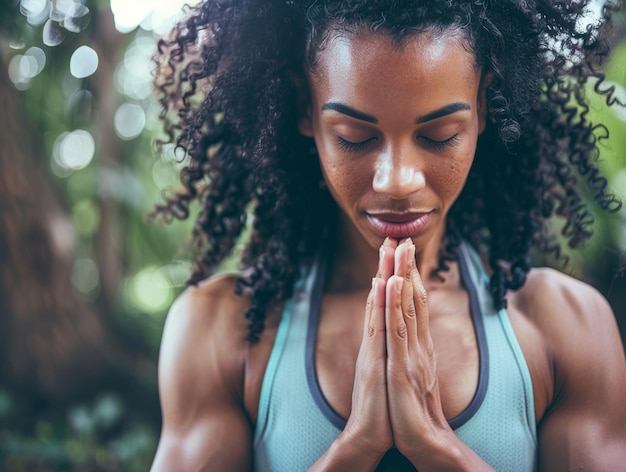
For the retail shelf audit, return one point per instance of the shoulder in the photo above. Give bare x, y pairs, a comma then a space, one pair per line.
578, 332
203, 347
209, 306
557, 303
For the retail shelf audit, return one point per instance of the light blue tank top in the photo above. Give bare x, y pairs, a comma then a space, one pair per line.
296, 425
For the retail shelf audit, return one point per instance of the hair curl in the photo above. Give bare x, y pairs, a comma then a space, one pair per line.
228, 80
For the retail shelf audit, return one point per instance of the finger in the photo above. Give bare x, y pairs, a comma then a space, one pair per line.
374, 325
396, 334
369, 306
420, 300
409, 309
402, 271
385, 259
377, 322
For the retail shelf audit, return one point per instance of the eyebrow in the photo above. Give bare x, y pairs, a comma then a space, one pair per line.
359, 115
346, 110
443, 111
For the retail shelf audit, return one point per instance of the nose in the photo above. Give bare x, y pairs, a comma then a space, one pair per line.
398, 173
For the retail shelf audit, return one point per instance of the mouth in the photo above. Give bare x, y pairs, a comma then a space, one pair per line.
399, 225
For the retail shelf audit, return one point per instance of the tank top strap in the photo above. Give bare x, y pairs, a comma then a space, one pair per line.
296, 425
509, 395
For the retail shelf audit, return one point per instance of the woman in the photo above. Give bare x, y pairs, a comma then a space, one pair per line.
381, 147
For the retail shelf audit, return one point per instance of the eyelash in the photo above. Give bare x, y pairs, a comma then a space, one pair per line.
440, 145
350, 147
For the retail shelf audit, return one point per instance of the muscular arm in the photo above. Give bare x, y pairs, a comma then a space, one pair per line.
584, 427
204, 424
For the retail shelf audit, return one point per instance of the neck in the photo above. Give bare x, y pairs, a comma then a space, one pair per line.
354, 261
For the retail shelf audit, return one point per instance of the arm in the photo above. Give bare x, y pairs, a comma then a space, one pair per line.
584, 428
204, 424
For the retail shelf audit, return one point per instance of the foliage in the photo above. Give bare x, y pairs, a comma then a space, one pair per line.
94, 132
100, 436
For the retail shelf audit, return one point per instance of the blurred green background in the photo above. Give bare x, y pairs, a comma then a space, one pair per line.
85, 280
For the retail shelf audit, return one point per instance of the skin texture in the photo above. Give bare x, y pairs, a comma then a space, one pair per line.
404, 336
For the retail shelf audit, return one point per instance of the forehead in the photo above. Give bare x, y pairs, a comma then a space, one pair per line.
369, 60
362, 49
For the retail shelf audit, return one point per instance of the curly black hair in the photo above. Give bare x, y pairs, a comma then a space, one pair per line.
230, 79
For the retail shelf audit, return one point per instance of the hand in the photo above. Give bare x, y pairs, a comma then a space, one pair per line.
415, 410
368, 425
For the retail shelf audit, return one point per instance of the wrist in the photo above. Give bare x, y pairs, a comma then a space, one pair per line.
445, 452
348, 452
358, 446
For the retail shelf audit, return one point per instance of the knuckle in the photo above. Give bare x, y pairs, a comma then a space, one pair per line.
373, 331
401, 331
422, 296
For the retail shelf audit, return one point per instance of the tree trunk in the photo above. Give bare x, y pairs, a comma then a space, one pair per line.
51, 343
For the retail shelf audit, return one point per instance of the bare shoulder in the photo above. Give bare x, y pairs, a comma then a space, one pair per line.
572, 316
579, 332
204, 334
207, 307
557, 303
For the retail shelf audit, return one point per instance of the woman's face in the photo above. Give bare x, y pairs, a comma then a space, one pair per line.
396, 128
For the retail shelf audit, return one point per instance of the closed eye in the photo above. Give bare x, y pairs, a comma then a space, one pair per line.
352, 147
438, 145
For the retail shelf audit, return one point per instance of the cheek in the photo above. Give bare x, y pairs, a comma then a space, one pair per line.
342, 182
451, 175
343, 177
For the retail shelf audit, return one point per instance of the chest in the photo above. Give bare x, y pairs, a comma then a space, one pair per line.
339, 337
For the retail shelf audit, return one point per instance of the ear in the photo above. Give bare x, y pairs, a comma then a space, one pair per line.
305, 122
485, 81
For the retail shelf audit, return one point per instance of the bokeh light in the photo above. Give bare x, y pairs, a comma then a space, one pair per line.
24, 67
72, 14
129, 121
57, 17
84, 62
85, 276
149, 290
74, 150
52, 34
157, 16
35, 11
86, 217
132, 76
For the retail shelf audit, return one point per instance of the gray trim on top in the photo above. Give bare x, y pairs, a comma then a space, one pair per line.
479, 330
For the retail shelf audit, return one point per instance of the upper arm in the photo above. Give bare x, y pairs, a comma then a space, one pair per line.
584, 427
204, 423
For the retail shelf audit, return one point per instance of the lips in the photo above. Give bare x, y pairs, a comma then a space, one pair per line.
399, 225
